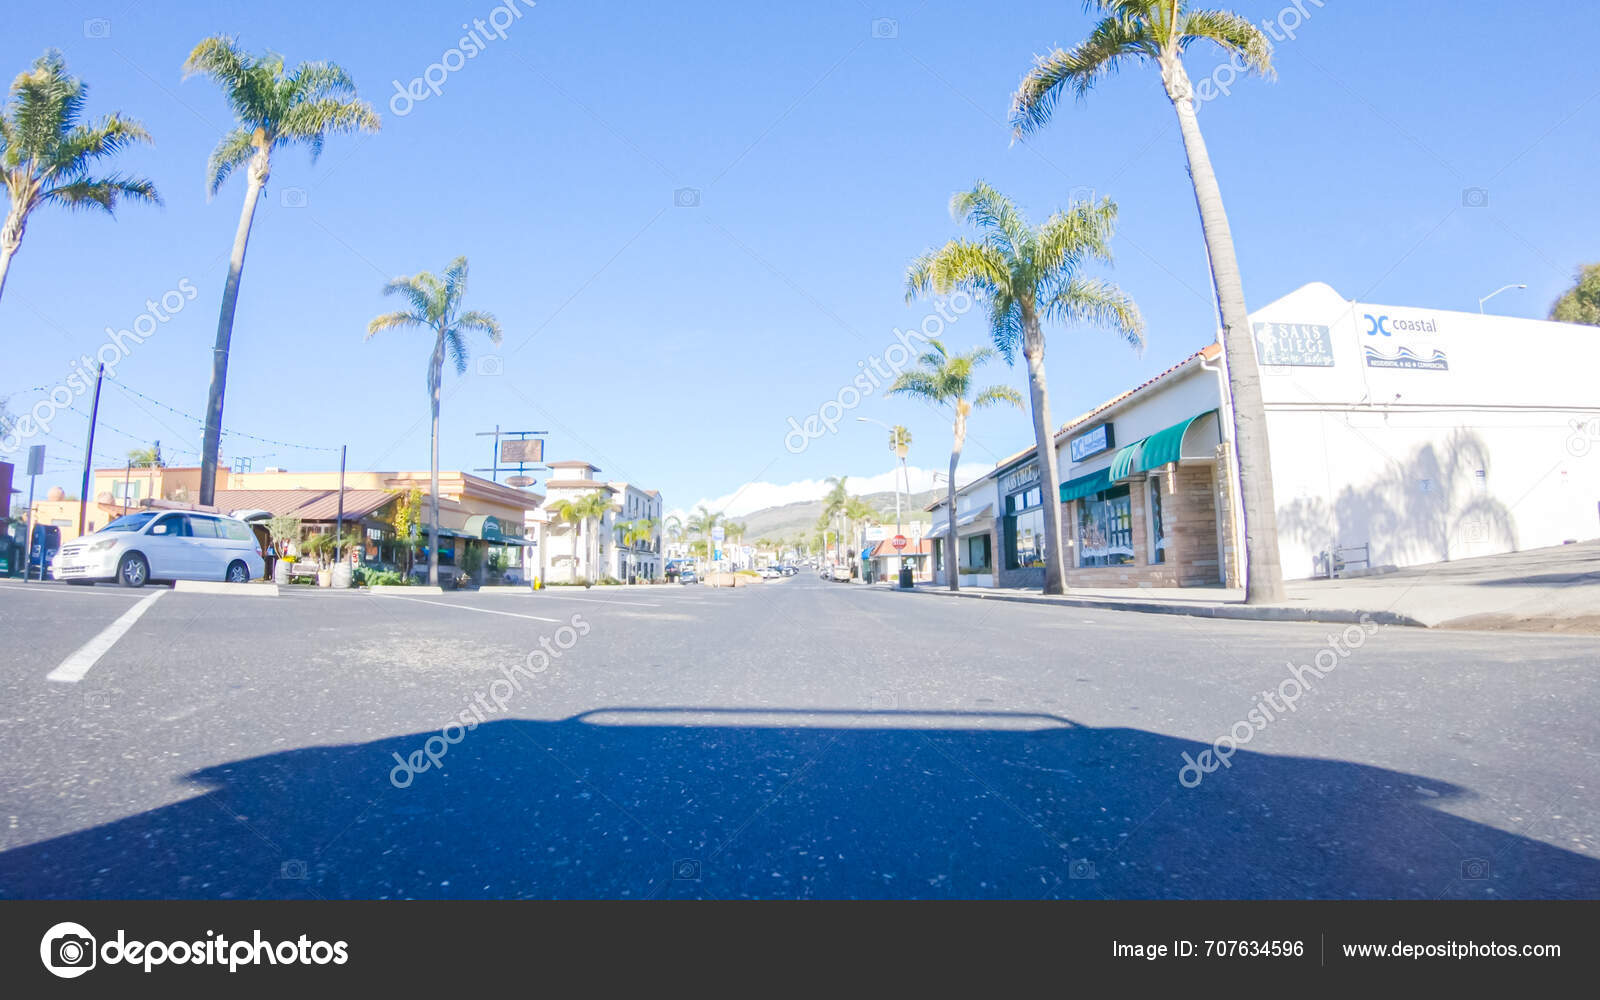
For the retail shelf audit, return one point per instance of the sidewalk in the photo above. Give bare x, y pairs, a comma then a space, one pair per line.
1553, 590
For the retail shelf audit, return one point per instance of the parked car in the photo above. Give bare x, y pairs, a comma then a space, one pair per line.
687, 575
771, 573
163, 545
839, 573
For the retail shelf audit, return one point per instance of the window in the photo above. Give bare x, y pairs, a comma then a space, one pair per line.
976, 550
237, 530
1158, 535
1024, 529
203, 527
1105, 528
126, 491
173, 525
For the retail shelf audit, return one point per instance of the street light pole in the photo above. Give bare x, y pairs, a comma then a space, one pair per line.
1497, 291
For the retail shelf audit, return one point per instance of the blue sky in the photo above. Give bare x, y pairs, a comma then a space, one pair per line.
670, 343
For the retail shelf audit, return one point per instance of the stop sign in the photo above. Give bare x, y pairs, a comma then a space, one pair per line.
898, 541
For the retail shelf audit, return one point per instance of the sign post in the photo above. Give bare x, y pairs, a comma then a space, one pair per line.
35, 470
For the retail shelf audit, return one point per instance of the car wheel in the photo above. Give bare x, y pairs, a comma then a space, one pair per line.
238, 572
133, 571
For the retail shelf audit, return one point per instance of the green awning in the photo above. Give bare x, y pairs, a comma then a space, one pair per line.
1077, 489
1165, 446
1123, 465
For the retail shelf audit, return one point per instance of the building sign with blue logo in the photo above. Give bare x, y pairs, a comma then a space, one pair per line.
1093, 443
1294, 344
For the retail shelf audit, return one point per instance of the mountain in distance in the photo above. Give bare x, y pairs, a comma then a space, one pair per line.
800, 518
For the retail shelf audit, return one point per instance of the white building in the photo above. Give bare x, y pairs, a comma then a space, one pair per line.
638, 559
1399, 436
597, 550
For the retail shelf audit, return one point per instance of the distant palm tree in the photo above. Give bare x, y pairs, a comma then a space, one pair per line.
1160, 32
47, 152
637, 533
703, 523
1029, 274
834, 503
271, 108
945, 379
435, 306
572, 514
145, 458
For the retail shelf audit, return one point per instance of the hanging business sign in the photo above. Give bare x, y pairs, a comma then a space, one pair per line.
1093, 443
1303, 345
524, 451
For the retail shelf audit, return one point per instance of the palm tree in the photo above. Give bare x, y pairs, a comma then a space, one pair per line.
638, 532
574, 516
1159, 32
271, 108
47, 152
833, 504
145, 458
1029, 275
703, 523
945, 379
435, 306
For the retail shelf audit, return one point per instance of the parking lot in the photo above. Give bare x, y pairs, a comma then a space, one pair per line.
796, 738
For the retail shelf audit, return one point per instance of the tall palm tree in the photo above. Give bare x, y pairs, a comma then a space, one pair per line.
47, 152
639, 532
435, 306
572, 514
833, 504
1159, 32
271, 108
945, 379
1028, 275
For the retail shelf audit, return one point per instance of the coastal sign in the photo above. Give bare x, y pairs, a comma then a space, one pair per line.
1092, 443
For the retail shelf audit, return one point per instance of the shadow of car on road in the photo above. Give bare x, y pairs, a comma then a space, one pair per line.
654, 802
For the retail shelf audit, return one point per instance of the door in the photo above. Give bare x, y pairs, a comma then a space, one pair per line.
211, 548
166, 547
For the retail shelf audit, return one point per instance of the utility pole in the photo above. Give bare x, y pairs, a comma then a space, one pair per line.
338, 524
88, 449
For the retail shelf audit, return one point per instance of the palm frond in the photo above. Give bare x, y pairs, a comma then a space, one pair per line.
480, 322
1124, 35
414, 288
235, 149
399, 320
457, 349
996, 395
102, 193
1232, 33
1096, 302
312, 123
85, 144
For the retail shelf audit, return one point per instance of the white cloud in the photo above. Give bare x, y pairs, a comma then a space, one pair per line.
758, 496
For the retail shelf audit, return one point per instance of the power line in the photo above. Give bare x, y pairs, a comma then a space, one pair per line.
242, 434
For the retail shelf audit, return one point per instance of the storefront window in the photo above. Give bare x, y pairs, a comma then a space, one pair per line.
1157, 530
1105, 528
976, 550
1024, 529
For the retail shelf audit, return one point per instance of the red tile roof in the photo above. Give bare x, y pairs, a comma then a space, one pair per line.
307, 505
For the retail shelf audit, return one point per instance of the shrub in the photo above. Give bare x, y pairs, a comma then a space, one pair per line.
384, 578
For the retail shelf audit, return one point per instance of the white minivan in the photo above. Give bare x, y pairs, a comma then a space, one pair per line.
163, 545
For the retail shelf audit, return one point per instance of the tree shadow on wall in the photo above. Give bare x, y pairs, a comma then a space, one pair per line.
1431, 506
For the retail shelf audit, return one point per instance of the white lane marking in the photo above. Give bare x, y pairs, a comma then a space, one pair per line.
75, 666
35, 588
463, 607
595, 600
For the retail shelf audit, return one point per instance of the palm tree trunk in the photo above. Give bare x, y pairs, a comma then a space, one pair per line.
1055, 573
435, 379
1263, 571
953, 570
260, 168
10, 241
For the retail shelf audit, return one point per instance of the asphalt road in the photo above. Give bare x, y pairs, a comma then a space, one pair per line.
799, 739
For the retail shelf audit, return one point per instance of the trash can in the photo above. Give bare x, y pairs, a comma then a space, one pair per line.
906, 582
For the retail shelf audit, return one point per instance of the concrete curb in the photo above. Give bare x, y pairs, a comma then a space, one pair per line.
227, 589
382, 589
1235, 612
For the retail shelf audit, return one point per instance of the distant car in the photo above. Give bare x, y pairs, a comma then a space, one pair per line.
771, 573
688, 576
839, 573
163, 545
789, 570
